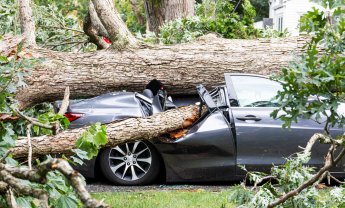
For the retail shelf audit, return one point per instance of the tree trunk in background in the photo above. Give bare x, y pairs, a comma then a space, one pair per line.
180, 67
131, 129
136, 8
160, 11
27, 24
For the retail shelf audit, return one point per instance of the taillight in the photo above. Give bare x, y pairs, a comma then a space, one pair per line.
73, 116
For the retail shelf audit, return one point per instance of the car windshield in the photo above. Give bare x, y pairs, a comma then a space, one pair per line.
255, 91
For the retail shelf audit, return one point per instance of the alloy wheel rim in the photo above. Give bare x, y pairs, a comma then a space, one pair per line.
130, 161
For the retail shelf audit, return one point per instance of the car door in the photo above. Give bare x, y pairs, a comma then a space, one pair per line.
261, 140
207, 151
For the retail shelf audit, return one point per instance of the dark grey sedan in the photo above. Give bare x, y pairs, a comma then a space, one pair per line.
237, 129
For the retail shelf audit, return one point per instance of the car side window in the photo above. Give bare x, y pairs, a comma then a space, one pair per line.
254, 91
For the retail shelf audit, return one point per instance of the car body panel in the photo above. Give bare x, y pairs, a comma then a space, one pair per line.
206, 153
261, 143
106, 108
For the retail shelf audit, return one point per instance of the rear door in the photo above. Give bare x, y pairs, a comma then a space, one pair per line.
261, 140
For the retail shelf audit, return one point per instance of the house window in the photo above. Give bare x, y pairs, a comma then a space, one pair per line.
280, 24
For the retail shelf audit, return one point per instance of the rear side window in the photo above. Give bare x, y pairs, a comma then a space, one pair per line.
254, 91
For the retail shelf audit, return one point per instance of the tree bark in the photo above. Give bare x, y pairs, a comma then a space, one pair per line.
119, 34
27, 23
132, 129
93, 34
94, 28
179, 67
160, 11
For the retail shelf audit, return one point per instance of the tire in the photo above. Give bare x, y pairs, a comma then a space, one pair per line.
119, 163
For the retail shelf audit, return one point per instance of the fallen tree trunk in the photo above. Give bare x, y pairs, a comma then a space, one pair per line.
119, 132
179, 67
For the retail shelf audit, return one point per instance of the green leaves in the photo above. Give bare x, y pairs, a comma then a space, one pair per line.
66, 202
314, 83
210, 16
48, 118
3, 60
92, 139
288, 176
7, 137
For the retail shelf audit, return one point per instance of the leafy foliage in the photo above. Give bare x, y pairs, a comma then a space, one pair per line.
12, 72
218, 17
60, 32
92, 139
75, 8
129, 16
58, 24
9, 18
269, 32
262, 9
288, 176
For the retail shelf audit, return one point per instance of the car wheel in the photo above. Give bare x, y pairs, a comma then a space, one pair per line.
133, 163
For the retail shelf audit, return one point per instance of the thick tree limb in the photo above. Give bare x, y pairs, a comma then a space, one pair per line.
132, 129
27, 23
96, 22
94, 28
118, 32
11, 201
92, 32
179, 67
19, 187
11, 176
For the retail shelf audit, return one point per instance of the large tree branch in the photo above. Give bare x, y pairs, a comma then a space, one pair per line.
91, 31
118, 32
94, 28
124, 131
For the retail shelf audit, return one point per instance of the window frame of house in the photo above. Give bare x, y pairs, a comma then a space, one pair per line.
280, 22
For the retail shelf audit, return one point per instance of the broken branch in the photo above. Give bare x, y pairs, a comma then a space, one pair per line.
329, 162
132, 129
31, 120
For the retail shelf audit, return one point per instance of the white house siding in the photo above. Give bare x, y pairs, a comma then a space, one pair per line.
259, 25
291, 11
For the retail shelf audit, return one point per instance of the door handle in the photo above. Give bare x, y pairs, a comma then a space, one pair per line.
249, 118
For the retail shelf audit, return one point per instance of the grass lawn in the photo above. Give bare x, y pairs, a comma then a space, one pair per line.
166, 199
